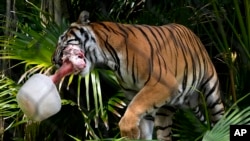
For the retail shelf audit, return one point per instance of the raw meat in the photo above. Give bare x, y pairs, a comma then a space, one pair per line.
73, 62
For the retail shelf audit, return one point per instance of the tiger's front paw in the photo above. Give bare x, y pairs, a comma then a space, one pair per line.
129, 126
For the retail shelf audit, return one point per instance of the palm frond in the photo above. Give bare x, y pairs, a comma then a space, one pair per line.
221, 130
234, 116
8, 103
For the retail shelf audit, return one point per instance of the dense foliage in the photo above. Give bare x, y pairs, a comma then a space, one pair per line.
92, 105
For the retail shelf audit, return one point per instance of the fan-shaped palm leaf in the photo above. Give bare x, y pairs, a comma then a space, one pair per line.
234, 116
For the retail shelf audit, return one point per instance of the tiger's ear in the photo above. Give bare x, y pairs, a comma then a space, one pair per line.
83, 18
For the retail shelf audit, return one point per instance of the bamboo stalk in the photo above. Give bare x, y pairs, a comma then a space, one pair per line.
232, 83
1, 128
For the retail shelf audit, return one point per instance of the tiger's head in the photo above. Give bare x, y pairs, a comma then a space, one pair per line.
75, 45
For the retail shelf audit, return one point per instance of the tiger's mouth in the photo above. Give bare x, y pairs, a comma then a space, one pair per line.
72, 61
74, 55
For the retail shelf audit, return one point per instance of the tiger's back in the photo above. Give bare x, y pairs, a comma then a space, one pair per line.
159, 68
150, 52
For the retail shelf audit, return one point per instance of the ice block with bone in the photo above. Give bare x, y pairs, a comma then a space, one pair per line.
38, 97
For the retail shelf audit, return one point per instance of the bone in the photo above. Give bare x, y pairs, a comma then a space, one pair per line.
66, 69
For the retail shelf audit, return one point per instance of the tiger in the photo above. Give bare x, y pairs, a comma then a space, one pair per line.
159, 68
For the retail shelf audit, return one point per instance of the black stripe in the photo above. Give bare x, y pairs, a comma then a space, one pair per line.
185, 77
86, 35
126, 47
74, 27
158, 30
125, 33
117, 32
184, 50
158, 51
220, 112
93, 39
150, 60
61, 37
82, 31
177, 41
170, 108
149, 117
129, 89
202, 61
155, 107
171, 48
163, 127
196, 110
104, 26
114, 55
76, 37
207, 80
162, 114
199, 114
110, 29
70, 40
195, 57
129, 29
211, 90
133, 69
212, 105
149, 42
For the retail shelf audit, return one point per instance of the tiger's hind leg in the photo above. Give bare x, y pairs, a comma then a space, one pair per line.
195, 107
213, 99
163, 122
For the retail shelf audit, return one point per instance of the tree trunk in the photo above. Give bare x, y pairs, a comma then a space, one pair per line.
1, 128
56, 9
10, 25
58, 12
47, 6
